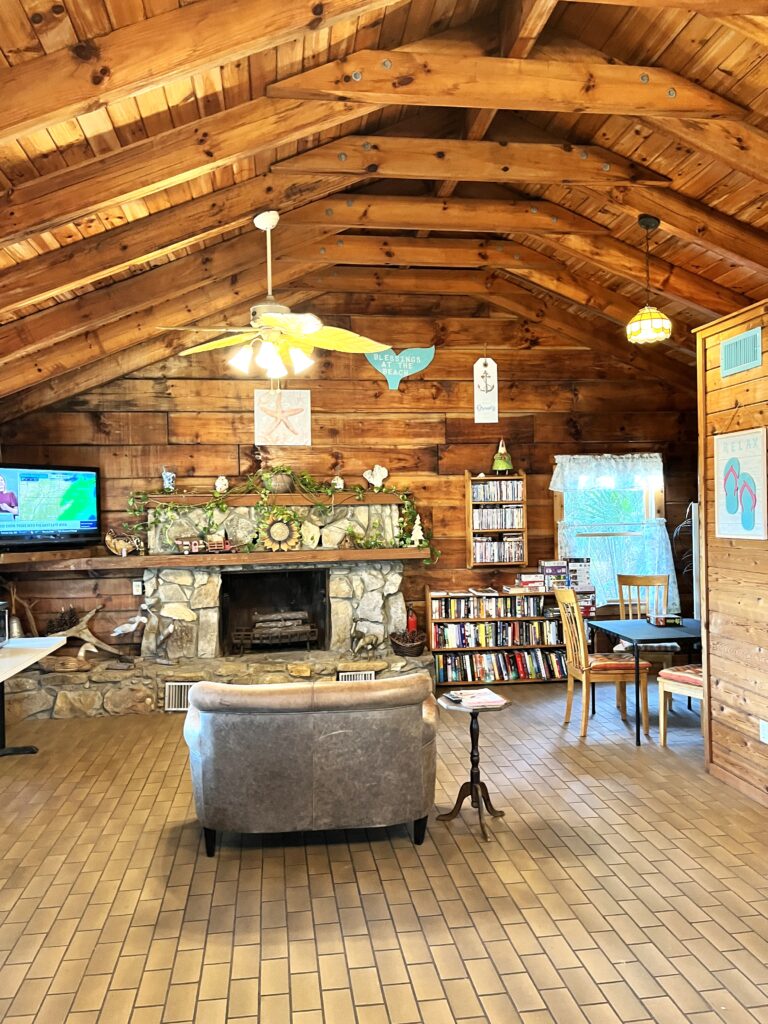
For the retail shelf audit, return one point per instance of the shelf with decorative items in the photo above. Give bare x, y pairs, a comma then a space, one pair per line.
497, 526
279, 511
489, 637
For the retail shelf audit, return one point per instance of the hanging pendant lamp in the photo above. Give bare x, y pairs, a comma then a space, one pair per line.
649, 325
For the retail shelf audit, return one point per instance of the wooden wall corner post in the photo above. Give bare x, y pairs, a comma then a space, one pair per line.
734, 571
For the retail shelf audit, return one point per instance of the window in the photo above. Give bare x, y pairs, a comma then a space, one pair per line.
610, 509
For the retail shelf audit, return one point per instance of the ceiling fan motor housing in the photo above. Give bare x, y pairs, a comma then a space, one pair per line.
266, 307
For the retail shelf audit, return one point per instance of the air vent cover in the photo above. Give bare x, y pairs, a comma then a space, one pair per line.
740, 353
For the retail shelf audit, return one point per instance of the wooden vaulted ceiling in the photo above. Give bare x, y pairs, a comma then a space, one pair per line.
466, 156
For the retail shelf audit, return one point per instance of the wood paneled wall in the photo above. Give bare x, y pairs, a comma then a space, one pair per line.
734, 572
195, 416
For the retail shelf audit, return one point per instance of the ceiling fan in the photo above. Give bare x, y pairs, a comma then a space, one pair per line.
283, 336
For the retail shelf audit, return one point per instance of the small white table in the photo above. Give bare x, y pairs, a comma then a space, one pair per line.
15, 656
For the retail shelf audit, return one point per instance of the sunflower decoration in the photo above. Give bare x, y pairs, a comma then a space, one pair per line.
280, 533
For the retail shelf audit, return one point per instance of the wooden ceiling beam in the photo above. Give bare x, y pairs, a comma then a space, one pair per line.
507, 295
667, 279
694, 221
107, 368
394, 251
520, 23
426, 213
26, 367
547, 163
141, 56
98, 256
170, 158
43, 331
548, 273
749, 26
422, 78
715, 8
742, 146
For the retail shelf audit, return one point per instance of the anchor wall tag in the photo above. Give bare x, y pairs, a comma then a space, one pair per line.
486, 391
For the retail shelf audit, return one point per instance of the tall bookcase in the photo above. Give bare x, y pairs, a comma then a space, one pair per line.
497, 523
492, 639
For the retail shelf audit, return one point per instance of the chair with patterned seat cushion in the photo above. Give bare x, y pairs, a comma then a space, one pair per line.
685, 680
589, 668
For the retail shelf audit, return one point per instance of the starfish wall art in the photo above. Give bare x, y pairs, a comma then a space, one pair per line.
282, 417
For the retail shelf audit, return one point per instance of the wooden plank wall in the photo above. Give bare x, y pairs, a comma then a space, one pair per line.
195, 416
734, 572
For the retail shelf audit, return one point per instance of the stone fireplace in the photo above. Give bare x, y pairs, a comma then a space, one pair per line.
273, 610
362, 598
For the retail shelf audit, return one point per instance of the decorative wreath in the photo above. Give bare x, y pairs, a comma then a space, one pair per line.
280, 534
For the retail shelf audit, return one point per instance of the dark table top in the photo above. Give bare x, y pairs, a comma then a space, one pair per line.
638, 631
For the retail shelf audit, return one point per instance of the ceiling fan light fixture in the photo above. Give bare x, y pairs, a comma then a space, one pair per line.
241, 360
649, 325
300, 360
270, 360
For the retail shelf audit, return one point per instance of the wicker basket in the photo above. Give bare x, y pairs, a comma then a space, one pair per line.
408, 650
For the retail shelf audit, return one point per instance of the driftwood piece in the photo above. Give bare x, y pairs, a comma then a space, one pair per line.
80, 631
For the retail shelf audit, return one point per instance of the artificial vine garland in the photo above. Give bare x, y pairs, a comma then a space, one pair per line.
164, 511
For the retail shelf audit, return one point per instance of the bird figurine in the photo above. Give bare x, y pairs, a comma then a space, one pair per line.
119, 543
221, 485
337, 483
131, 625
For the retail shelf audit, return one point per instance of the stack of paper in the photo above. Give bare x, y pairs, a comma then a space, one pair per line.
479, 697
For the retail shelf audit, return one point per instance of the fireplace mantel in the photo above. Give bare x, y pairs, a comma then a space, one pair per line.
268, 559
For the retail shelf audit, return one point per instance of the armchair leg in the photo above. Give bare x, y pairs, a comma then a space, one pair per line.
209, 834
419, 830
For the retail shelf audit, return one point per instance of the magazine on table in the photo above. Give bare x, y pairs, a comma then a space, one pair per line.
480, 697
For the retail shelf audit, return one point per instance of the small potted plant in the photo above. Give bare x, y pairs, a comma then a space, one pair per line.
408, 643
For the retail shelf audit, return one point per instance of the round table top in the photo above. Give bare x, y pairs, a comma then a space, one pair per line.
450, 705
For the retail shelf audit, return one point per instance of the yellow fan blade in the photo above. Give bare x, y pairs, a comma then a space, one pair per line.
338, 340
227, 342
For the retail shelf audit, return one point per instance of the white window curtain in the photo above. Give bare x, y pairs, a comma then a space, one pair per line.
605, 501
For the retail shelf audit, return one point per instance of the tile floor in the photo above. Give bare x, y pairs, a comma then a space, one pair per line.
622, 885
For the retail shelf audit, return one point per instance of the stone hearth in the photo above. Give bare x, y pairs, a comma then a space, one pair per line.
363, 596
137, 685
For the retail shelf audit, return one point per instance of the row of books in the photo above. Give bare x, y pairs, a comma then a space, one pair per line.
470, 606
499, 666
508, 549
498, 517
567, 572
495, 634
497, 490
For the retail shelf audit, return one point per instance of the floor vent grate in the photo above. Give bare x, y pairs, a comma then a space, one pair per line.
365, 675
177, 695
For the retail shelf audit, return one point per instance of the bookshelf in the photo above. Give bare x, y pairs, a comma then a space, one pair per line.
497, 525
493, 639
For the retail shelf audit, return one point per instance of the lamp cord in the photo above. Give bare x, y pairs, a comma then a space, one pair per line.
647, 268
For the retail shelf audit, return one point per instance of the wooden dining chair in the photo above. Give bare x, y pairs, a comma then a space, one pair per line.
588, 668
646, 595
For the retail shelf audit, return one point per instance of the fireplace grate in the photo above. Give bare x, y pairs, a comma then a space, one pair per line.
177, 696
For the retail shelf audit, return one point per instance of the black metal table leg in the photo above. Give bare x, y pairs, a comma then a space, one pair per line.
636, 649
9, 751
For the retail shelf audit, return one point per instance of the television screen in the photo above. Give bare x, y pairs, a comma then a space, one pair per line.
45, 508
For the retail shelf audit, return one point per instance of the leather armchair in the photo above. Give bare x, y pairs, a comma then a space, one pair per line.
312, 754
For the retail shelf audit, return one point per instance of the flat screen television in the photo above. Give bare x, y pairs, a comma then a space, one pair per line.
48, 507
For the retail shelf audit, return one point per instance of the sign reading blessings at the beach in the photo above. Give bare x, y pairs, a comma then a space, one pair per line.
394, 366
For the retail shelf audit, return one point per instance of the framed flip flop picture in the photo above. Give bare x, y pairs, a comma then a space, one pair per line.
741, 511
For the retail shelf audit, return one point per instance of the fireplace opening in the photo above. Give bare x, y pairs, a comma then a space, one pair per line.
263, 611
